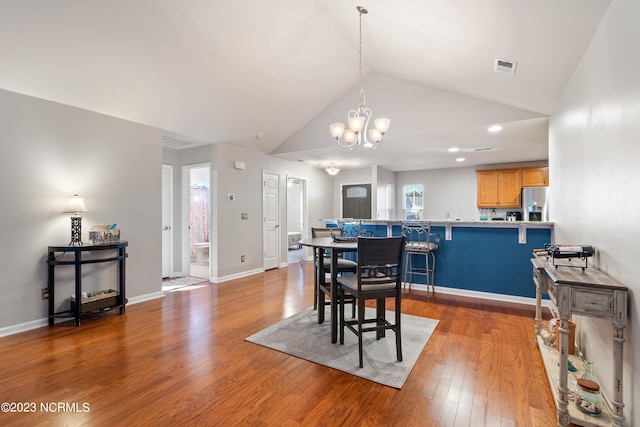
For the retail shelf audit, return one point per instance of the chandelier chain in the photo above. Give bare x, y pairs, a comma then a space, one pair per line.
360, 61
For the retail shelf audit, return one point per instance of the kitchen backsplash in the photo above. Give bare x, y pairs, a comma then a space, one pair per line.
489, 213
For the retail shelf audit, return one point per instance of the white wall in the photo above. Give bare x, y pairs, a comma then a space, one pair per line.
594, 176
384, 178
51, 151
445, 190
452, 191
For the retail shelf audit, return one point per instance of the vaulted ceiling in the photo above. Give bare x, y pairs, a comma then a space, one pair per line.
272, 75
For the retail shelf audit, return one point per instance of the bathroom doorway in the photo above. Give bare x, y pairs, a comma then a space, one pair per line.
296, 218
198, 214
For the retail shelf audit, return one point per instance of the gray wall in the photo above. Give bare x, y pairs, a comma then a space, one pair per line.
350, 177
594, 176
231, 236
51, 151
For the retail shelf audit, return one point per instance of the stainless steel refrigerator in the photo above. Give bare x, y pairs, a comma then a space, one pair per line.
534, 203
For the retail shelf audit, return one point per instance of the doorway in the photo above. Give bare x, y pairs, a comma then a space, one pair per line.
196, 216
296, 218
167, 220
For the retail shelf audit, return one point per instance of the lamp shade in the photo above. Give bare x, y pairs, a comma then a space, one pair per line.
349, 136
356, 123
75, 205
337, 129
382, 125
375, 135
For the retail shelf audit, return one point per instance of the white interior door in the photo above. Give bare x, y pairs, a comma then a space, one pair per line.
271, 230
167, 220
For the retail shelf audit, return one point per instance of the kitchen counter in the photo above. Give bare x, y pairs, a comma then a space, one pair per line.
479, 256
544, 224
379, 225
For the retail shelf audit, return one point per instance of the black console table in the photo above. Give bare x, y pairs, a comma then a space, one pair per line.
77, 261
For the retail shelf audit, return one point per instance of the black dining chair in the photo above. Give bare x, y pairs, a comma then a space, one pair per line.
378, 277
344, 266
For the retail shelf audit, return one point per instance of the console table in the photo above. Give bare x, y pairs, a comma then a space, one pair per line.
105, 253
587, 292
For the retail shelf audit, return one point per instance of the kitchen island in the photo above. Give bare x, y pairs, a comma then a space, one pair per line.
490, 257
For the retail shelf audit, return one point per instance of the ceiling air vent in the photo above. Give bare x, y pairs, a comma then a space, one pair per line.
177, 142
505, 67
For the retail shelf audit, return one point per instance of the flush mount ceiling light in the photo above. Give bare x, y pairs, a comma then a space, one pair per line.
460, 159
454, 149
332, 169
359, 118
495, 128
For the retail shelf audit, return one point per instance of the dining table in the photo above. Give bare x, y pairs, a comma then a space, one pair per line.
322, 245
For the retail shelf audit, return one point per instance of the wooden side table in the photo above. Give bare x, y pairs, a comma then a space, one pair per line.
590, 293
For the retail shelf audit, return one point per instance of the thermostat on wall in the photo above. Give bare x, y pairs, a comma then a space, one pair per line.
238, 165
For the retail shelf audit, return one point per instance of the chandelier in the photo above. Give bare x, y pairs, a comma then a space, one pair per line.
359, 118
332, 169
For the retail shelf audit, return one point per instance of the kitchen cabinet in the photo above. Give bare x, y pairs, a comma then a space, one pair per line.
499, 188
535, 176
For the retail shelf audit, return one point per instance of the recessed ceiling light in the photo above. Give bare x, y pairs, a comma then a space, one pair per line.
454, 149
460, 159
495, 128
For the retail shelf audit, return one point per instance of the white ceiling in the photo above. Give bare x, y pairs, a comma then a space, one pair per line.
209, 71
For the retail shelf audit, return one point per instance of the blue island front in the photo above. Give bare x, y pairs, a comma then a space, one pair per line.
479, 256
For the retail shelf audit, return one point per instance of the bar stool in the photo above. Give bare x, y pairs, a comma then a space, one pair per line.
420, 243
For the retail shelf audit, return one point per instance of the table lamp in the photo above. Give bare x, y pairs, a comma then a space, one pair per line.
75, 207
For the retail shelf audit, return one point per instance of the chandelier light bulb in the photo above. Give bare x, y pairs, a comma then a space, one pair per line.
349, 136
337, 129
375, 135
356, 123
382, 125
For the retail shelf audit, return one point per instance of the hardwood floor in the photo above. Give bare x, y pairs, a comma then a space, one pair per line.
182, 360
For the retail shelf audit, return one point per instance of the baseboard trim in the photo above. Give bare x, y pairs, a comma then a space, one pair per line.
39, 323
481, 295
23, 327
146, 297
237, 275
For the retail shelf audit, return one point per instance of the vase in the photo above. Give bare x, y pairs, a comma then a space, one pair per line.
590, 401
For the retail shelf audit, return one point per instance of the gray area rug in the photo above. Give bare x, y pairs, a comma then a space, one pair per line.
180, 282
300, 335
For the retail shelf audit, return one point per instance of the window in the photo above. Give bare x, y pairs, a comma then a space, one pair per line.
386, 201
413, 203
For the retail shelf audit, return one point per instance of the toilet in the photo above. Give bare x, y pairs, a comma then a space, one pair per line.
202, 251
